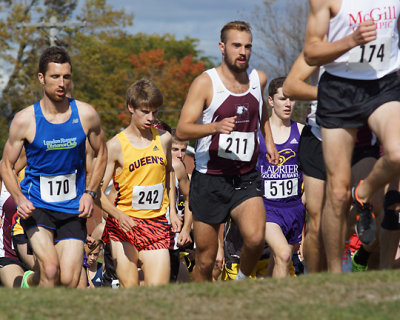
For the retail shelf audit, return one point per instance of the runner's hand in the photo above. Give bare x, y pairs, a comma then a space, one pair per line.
272, 154
125, 222
184, 238
176, 223
86, 206
25, 208
226, 125
365, 32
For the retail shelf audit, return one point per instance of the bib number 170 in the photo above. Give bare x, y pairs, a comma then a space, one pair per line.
58, 188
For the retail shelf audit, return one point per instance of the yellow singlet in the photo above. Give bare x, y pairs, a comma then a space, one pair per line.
140, 185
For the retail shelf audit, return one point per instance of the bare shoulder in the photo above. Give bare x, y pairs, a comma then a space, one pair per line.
25, 115
199, 97
114, 148
201, 83
263, 78
165, 136
329, 6
86, 111
319, 4
22, 122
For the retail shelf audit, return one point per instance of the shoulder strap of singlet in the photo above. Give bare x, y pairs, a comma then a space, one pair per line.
37, 109
294, 129
215, 79
122, 137
156, 135
74, 107
254, 79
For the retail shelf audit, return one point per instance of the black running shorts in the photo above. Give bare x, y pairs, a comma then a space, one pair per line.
212, 197
347, 103
64, 225
5, 261
310, 158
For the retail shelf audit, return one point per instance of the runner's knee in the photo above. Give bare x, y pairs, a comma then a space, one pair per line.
339, 192
283, 256
51, 271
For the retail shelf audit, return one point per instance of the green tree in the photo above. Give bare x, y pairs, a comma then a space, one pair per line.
101, 56
104, 66
21, 44
173, 76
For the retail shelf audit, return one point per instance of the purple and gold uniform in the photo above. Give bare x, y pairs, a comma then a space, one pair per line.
282, 186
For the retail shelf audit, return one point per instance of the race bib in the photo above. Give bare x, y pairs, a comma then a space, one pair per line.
236, 145
58, 188
372, 55
279, 189
147, 197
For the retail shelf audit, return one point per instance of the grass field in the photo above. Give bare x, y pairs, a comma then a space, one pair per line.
368, 295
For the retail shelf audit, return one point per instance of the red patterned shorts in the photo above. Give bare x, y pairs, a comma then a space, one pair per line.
149, 234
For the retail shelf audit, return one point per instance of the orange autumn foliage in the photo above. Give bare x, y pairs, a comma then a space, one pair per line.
172, 76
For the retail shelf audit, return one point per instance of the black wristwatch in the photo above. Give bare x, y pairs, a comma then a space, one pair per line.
92, 193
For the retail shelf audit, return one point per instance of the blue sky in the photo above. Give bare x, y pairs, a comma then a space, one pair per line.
201, 19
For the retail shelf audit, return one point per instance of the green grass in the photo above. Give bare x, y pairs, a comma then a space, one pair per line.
368, 295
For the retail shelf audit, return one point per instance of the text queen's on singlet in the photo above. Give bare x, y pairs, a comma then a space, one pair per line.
374, 59
140, 185
282, 182
234, 153
55, 175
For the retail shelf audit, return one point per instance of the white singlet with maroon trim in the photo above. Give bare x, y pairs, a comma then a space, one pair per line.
234, 153
377, 58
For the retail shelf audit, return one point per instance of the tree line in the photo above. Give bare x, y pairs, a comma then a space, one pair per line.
106, 59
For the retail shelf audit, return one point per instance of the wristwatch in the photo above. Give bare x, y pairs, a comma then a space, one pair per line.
92, 193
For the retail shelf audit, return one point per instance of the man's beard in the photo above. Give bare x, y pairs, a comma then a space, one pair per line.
54, 97
233, 67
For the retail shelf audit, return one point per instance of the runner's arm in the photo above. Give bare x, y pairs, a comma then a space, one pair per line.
295, 85
199, 96
95, 136
12, 150
318, 52
97, 142
272, 154
176, 223
184, 185
113, 160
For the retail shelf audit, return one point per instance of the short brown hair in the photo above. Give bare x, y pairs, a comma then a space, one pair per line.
53, 54
144, 93
234, 25
274, 85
